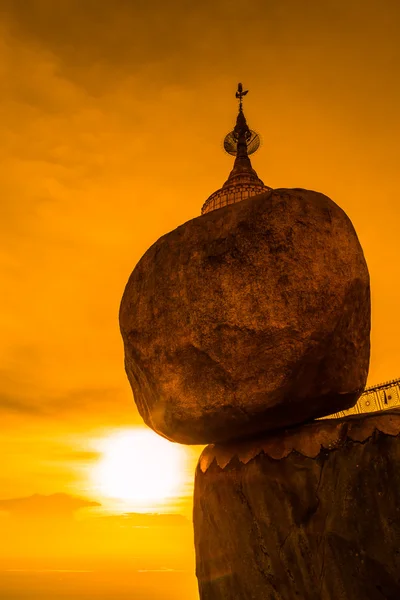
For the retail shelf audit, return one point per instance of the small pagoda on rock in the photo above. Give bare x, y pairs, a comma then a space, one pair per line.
243, 182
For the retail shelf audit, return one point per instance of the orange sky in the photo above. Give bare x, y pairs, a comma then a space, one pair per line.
112, 120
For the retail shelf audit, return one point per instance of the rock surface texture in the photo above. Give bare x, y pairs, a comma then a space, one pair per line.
250, 318
311, 514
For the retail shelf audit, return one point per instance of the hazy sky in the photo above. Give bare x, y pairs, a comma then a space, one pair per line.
112, 120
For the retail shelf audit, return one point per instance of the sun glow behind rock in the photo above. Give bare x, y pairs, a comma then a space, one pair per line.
139, 466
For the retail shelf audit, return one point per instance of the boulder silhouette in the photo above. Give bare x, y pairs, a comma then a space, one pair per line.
249, 318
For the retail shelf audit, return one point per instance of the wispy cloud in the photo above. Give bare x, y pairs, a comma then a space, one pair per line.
134, 520
54, 505
18, 398
9, 404
79, 455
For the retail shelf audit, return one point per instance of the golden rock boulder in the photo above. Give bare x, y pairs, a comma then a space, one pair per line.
250, 318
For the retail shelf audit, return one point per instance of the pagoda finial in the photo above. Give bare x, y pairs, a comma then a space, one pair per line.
239, 94
241, 141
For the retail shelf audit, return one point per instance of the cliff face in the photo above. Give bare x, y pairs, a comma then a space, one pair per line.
310, 514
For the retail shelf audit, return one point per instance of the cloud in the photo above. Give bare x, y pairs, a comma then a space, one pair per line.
62, 505
18, 398
54, 505
139, 520
88, 40
16, 405
84, 456
96, 45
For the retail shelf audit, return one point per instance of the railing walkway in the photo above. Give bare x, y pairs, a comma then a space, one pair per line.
376, 397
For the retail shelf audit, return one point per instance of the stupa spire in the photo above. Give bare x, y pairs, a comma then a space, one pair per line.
241, 130
243, 135
243, 181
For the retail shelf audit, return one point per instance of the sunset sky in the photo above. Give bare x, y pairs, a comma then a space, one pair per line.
112, 120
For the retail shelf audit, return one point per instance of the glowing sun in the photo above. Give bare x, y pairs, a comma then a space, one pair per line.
139, 465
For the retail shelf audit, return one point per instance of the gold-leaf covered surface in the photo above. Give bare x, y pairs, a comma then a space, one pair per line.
308, 440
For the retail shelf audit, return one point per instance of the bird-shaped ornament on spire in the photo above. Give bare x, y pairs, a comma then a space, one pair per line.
240, 93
